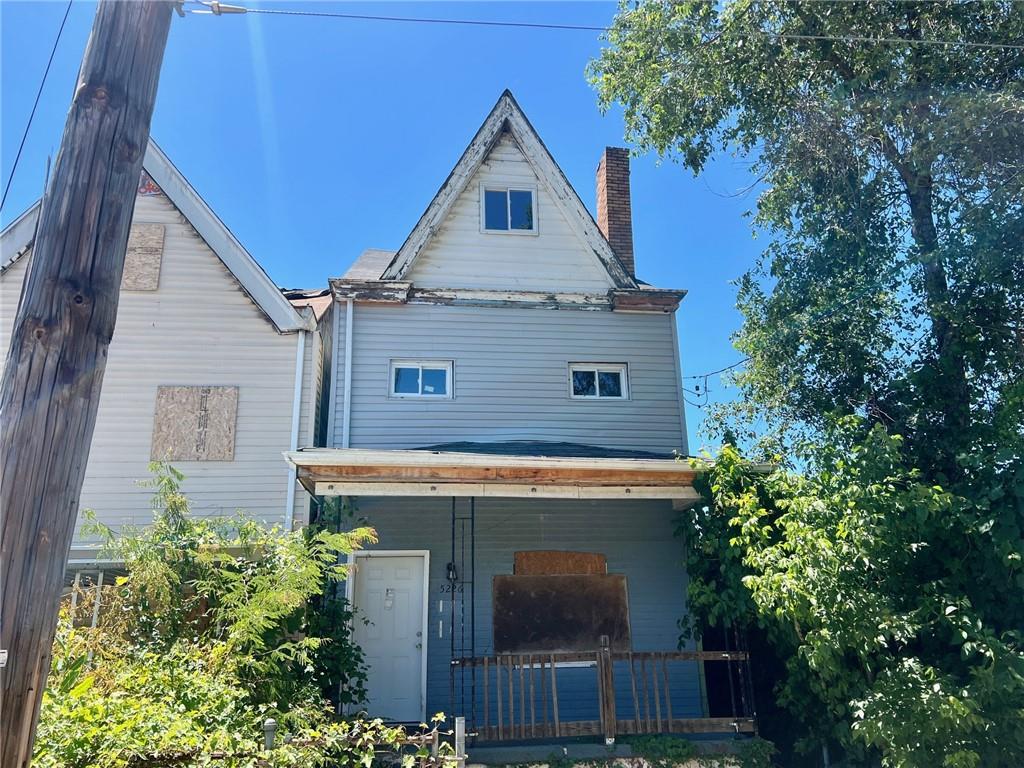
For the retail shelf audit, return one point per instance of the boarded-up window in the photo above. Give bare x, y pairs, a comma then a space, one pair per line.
549, 562
195, 424
560, 613
142, 258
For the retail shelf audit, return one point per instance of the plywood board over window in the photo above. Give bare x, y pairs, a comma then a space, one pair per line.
560, 613
549, 562
142, 258
195, 424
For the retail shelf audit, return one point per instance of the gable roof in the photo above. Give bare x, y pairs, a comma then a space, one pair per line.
16, 240
508, 116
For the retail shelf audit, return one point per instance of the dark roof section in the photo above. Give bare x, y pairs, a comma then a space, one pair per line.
317, 299
544, 448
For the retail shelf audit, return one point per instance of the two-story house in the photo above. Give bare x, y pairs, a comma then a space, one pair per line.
504, 406
211, 367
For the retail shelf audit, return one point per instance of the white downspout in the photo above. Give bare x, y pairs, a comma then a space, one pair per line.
346, 426
293, 445
332, 394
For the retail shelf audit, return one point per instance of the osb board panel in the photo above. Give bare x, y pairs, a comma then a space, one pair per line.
549, 562
194, 424
143, 257
560, 613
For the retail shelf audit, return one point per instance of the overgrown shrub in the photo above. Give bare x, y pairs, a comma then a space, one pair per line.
208, 634
897, 604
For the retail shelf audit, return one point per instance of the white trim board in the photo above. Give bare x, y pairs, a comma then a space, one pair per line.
16, 238
350, 591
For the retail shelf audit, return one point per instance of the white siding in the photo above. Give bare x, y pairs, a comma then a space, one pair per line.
199, 328
461, 256
511, 377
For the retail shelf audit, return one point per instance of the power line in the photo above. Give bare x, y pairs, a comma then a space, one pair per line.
897, 40
32, 114
223, 9
217, 8
729, 367
827, 313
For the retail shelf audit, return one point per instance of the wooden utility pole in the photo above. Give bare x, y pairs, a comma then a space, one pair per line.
54, 370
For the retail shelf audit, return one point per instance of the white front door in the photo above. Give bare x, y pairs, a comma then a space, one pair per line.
388, 598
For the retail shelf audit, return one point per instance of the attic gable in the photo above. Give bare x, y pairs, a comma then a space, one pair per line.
160, 177
507, 144
461, 254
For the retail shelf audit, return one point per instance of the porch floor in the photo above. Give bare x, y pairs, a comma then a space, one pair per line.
542, 752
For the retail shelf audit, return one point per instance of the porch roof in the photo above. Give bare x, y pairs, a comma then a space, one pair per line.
363, 472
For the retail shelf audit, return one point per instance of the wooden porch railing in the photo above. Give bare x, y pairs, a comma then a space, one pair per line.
520, 695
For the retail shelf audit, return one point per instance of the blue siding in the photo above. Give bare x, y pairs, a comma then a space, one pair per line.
511, 377
636, 537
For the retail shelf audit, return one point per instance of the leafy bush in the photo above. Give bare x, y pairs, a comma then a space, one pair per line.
208, 634
897, 603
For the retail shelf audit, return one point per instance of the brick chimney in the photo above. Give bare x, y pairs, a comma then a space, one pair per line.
614, 213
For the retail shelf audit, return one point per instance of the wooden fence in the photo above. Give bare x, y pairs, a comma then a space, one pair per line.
520, 694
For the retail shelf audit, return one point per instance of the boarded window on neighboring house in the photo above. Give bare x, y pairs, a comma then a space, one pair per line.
143, 257
194, 424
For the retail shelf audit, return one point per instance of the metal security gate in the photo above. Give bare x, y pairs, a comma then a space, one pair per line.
460, 590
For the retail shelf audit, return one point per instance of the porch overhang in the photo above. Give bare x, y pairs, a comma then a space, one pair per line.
362, 472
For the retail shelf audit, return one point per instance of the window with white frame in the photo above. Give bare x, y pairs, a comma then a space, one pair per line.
598, 381
420, 378
508, 209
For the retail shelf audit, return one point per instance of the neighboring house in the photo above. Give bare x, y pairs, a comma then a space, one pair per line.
211, 367
504, 406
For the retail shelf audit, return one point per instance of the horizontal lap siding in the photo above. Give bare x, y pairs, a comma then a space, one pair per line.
309, 411
511, 377
459, 255
323, 376
198, 328
636, 537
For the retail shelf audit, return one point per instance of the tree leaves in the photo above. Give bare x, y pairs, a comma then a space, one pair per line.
898, 613
205, 637
892, 190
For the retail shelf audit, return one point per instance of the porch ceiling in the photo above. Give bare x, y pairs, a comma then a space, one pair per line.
361, 472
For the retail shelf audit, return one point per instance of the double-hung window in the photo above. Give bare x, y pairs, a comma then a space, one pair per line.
420, 378
591, 381
508, 209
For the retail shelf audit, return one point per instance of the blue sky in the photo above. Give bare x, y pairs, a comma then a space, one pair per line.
314, 139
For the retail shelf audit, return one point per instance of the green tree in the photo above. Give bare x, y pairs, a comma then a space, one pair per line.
891, 176
882, 340
865, 579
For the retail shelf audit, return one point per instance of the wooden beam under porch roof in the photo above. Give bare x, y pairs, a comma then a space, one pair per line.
362, 472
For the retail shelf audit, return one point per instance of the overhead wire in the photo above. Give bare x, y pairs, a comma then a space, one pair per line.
217, 8
831, 311
35, 105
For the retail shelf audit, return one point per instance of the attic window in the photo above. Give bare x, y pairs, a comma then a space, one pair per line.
598, 380
508, 209
421, 378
